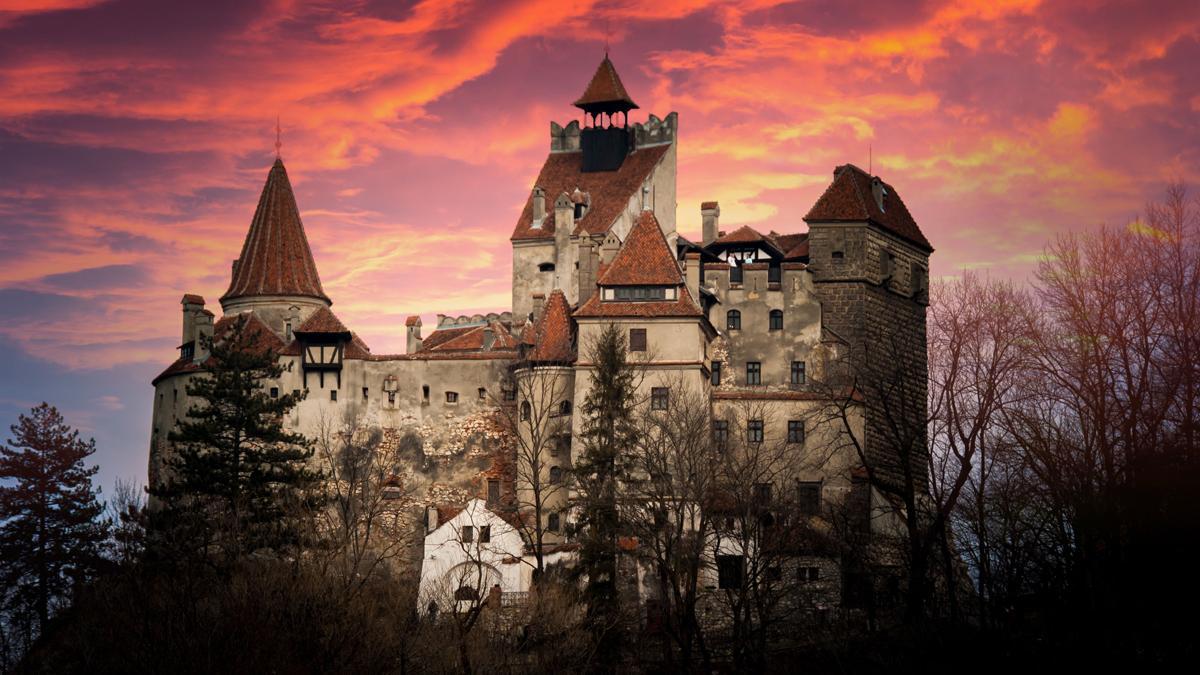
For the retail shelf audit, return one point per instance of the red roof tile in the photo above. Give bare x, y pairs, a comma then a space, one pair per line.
554, 339
849, 198
645, 258
468, 338
262, 338
323, 321
610, 190
743, 235
276, 259
606, 87
413, 320
684, 306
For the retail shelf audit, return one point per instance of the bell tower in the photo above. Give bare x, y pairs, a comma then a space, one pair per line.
605, 138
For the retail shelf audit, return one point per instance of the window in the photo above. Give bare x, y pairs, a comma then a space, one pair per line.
556, 475
735, 273
776, 319
425, 393
546, 267
482, 394
730, 569
754, 431
720, 431
795, 431
175, 395
187, 351
733, 320
526, 410
333, 394
296, 393
716, 373
886, 264
485, 534
637, 339
562, 445
552, 522
274, 392
510, 393
797, 372
762, 493
366, 393
493, 493
391, 397
839, 257
808, 573
659, 397
637, 293
774, 573
468, 534
808, 497
919, 281
392, 492
753, 372
452, 397
773, 273
564, 408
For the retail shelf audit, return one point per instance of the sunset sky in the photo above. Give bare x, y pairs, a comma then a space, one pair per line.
135, 137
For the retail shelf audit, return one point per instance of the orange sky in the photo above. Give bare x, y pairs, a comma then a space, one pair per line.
135, 137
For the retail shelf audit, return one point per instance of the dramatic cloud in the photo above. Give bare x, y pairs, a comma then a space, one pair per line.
135, 136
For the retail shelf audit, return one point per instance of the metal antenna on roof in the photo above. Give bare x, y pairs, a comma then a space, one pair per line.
278, 142
607, 31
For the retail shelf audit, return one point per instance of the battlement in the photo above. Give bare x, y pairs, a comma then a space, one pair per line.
653, 131
444, 321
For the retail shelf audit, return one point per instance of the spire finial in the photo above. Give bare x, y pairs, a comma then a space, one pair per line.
607, 31
278, 142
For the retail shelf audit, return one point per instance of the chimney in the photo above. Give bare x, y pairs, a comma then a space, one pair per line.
489, 337
610, 248
710, 212
431, 518
204, 329
692, 265
539, 206
571, 136
539, 299
192, 305
564, 224
413, 327
587, 269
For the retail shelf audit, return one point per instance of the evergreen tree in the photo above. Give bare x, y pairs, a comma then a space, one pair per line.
236, 481
51, 530
607, 435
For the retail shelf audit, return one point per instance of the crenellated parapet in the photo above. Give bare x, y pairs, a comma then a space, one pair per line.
444, 321
655, 131
564, 139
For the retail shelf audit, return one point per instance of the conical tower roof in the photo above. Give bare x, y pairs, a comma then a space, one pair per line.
605, 93
276, 259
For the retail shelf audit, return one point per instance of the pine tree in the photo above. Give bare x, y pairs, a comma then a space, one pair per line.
607, 435
237, 482
51, 530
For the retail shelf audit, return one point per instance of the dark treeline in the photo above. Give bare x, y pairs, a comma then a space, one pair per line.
1047, 525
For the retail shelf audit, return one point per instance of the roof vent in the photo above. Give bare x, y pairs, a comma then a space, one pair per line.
879, 192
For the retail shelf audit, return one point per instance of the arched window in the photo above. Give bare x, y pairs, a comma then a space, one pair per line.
552, 522
564, 408
733, 320
776, 319
556, 475
526, 410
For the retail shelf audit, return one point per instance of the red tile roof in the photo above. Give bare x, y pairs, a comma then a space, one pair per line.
704, 206
276, 259
553, 336
323, 321
849, 198
684, 306
262, 338
192, 299
743, 235
645, 258
413, 320
610, 190
606, 87
468, 338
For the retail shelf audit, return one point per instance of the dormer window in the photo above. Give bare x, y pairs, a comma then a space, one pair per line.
640, 293
880, 193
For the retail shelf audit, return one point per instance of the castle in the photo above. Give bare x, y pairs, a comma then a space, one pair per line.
739, 318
